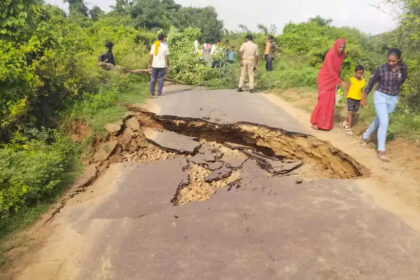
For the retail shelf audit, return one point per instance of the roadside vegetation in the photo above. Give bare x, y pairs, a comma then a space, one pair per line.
51, 87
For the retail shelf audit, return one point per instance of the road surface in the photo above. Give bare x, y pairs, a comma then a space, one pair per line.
272, 227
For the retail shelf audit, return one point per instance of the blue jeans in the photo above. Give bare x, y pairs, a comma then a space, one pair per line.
384, 105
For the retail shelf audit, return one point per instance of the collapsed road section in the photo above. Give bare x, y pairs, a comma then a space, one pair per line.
213, 154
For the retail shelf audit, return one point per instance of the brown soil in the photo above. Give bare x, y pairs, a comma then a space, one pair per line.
79, 131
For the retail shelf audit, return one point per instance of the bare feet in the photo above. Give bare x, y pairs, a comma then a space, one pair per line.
315, 127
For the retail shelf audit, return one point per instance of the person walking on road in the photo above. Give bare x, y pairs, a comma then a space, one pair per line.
328, 79
248, 58
158, 64
269, 53
389, 77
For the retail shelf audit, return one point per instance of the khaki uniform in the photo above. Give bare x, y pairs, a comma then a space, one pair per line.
250, 51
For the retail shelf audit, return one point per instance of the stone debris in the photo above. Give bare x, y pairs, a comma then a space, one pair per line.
133, 124
206, 151
215, 165
114, 128
235, 163
273, 165
219, 174
172, 141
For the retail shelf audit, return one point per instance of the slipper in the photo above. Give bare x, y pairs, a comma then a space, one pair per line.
384, 157
346, 125
315, 127
349, 131
363, 142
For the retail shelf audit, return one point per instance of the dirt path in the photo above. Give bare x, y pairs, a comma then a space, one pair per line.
394, 186
220, 185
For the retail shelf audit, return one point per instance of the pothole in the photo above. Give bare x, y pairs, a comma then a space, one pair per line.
214, 154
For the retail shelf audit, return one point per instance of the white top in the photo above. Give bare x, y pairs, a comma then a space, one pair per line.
159, 60
213, 48
196, 45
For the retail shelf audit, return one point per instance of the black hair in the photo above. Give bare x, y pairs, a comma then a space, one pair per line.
109, 45
359, 68
396, 52
161, 36
270, 37
249, 37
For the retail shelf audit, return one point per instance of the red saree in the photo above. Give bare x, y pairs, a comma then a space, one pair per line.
328, 79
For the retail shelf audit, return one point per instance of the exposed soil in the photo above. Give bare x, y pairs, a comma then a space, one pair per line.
79, 131
221, 148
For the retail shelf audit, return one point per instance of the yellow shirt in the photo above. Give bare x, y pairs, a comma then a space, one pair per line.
355, 90
267, 48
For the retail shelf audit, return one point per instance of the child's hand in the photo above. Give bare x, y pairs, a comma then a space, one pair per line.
363, 102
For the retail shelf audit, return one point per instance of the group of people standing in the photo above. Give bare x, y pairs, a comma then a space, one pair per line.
389, 77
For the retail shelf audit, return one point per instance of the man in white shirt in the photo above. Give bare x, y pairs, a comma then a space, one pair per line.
158, 64
248, 57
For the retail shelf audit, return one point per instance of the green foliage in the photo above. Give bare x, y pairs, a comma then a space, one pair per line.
313, 39
162, 14
33, 172
77, 8
407, 38
186, 65
96, 13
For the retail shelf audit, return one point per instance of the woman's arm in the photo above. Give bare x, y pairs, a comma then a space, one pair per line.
373, 80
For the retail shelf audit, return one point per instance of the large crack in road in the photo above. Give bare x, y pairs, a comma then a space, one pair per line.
213, 154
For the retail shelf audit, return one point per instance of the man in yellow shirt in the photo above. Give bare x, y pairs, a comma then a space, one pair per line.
269, 53
354, 95
248, 58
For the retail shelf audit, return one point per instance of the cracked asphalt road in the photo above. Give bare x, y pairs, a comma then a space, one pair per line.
125, 226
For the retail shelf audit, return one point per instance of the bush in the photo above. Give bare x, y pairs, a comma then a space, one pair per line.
34, 172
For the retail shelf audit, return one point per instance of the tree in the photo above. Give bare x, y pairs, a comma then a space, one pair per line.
149, 14
17, 18
77, 8
262, 28
320, 21
96, 13
244, 28
122, 6
203, 18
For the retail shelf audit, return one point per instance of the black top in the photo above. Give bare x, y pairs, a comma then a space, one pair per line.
108, 58
389, 81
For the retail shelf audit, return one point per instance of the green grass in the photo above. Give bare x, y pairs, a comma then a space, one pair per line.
107, 107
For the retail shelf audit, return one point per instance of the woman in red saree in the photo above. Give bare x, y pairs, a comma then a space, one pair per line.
328, 80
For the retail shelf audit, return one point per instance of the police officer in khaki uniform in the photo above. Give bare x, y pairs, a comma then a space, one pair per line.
248, 57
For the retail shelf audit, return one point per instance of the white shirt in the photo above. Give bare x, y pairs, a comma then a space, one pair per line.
159, 60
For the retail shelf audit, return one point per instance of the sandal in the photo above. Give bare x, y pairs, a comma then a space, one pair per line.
363, 142
384, 157
315, 127
346, 125
349, 131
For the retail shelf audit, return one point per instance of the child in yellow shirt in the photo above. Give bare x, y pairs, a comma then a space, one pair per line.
354, 95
